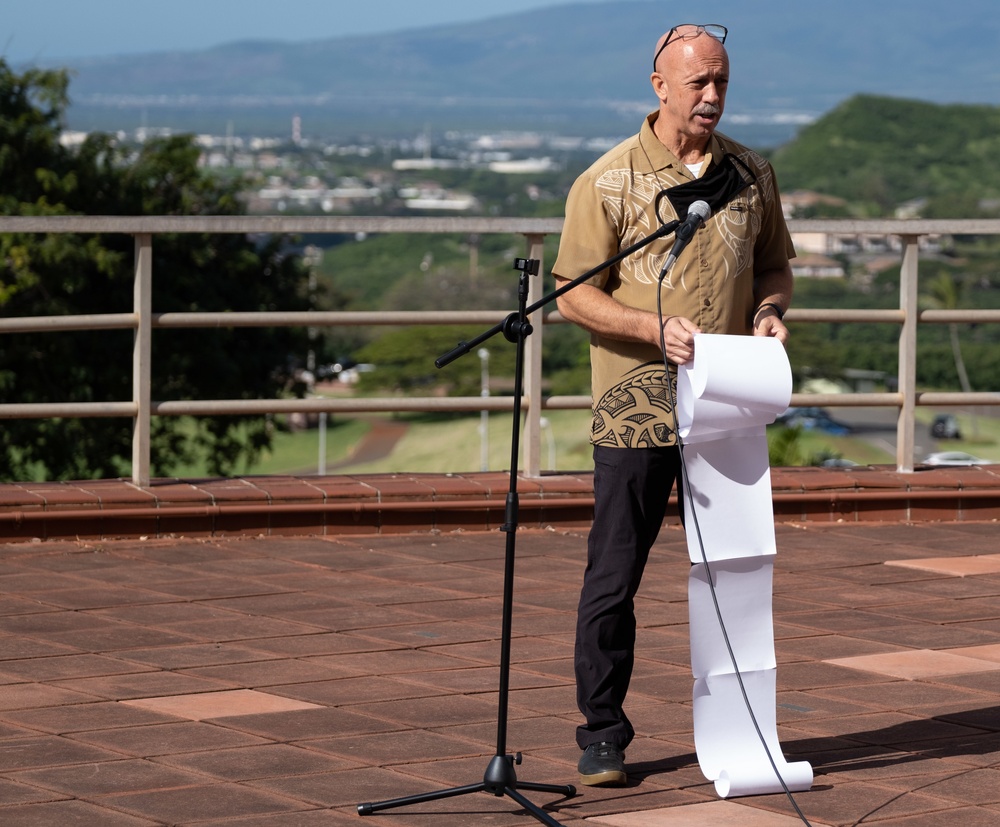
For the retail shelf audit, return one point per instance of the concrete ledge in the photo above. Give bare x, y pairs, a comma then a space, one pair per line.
407, 503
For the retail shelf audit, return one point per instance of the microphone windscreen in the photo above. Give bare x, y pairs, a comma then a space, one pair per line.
701, 209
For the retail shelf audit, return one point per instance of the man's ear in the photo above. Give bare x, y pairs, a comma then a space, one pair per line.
659, 86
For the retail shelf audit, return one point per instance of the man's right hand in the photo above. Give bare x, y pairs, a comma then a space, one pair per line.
678, 338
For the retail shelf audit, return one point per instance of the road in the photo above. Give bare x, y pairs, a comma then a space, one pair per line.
877, 426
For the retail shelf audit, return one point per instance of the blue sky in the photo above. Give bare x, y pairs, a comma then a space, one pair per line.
48, 29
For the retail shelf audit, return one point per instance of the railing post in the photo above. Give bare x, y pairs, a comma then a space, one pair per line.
908, 292
142, 358
532, 438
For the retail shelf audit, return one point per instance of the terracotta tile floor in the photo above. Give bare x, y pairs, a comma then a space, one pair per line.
225, 704
919, 663
954, 566
283, 680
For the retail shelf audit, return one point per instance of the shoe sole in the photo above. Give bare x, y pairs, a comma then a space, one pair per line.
610, 778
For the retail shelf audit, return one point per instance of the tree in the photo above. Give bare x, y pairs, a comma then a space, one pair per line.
404, 361
63, 274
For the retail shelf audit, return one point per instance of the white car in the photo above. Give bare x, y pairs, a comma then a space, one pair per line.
954, 458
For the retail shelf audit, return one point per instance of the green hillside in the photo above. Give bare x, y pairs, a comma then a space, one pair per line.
878, 153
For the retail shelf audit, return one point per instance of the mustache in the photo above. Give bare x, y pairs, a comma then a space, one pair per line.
708, 109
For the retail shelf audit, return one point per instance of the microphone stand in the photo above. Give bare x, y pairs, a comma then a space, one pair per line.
500, 778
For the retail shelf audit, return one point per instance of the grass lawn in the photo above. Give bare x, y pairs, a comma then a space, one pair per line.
298, 451
433, 444
453, 445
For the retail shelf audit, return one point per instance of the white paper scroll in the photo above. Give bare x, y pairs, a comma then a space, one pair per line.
726, 396
735, 384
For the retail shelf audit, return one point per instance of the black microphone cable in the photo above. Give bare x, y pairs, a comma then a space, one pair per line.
672, 396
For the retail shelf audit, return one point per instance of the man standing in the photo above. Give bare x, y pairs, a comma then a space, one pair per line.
734, 278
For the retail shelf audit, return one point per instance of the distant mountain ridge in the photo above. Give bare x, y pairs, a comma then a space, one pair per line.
579, 68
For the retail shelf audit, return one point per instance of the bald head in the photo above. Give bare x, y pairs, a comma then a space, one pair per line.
686, 35
690, 79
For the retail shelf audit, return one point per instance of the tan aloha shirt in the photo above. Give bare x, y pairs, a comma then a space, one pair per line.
612, 206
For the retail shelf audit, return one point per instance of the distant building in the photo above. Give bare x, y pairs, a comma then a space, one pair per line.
880, 264
527, 165
829, 244
911, 209
814, 265
798, 201
72, 139
313, 195
419, 164
811, 243
432, 196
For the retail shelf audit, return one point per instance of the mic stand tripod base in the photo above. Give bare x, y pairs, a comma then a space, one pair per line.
499, 779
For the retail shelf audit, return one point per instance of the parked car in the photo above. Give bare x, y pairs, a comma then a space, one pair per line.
945, 426
953, 458
838, 462
814, 419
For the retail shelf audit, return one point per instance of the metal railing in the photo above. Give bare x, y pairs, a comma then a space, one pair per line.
143, 320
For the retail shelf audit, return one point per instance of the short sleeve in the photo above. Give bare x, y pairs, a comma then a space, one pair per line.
589, 235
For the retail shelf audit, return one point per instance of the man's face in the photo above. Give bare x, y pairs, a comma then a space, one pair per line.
694, 78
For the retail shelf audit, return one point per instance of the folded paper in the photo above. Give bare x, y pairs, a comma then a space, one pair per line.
734, 384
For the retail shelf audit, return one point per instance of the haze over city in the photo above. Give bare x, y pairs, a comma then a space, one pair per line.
54, 29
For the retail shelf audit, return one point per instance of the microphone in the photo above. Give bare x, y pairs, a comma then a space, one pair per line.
698, 213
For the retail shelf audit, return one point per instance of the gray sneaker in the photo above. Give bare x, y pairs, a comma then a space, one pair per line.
602, 765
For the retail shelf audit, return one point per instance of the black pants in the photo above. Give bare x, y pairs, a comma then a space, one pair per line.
631, 488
